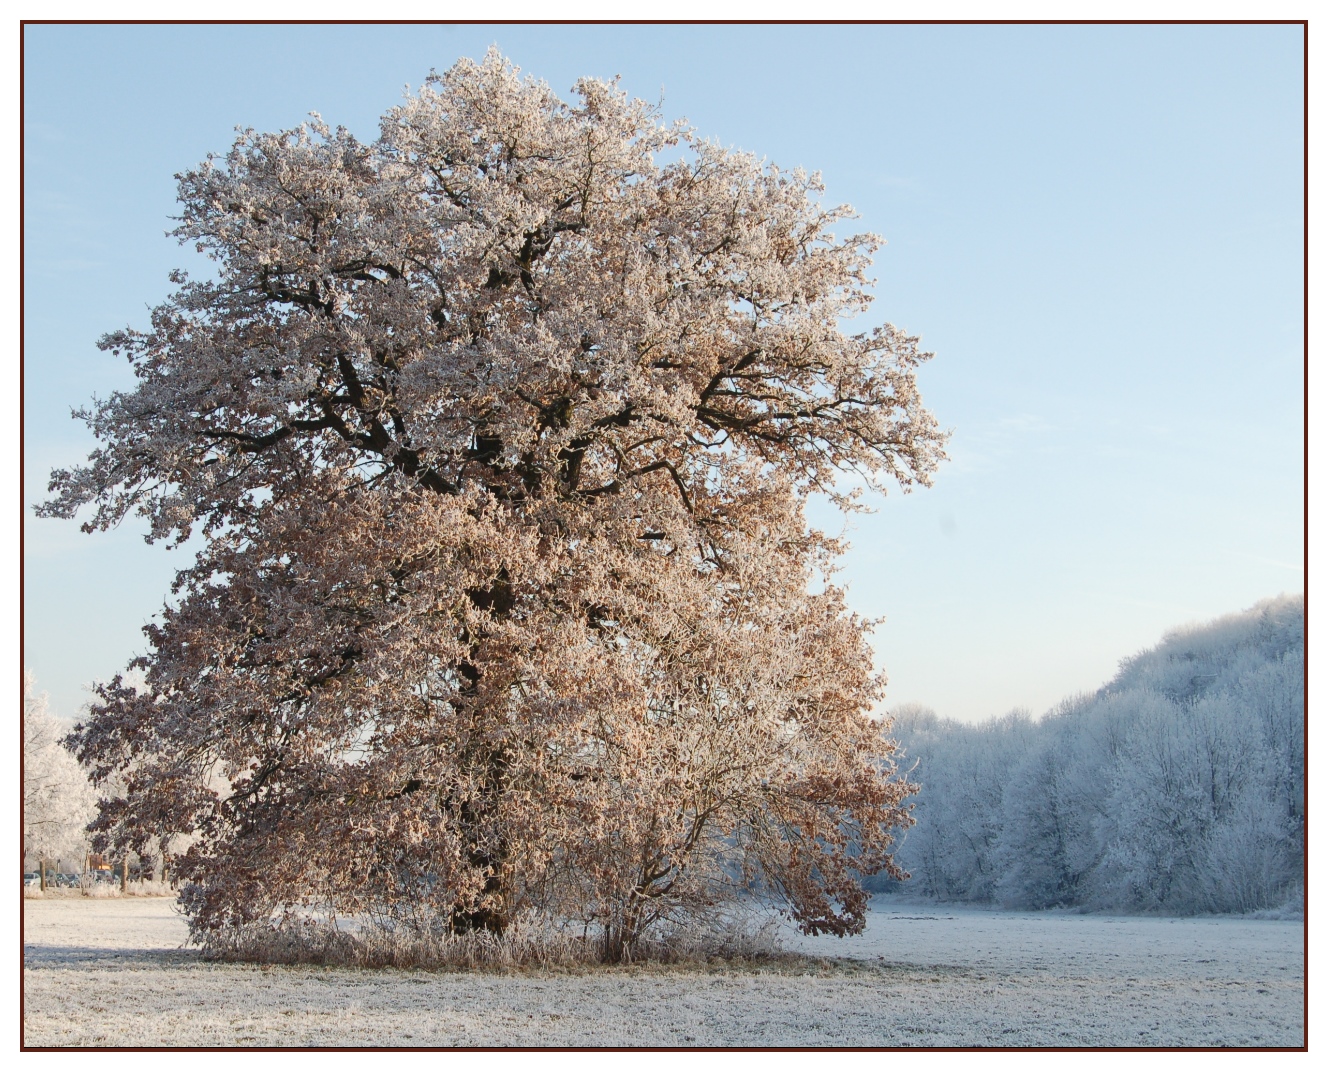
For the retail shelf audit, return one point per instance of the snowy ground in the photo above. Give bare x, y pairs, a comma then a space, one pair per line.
112, 973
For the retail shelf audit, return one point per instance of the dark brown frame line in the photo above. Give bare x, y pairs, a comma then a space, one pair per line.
23, 24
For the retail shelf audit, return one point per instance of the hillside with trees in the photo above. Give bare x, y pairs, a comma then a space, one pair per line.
1178, 787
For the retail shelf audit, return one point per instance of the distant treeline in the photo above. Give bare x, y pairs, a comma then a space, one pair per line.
1179, 787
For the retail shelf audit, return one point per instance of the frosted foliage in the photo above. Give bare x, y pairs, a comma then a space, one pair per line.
1179, 787
498, 430
57, 799
958, 811
1212, 657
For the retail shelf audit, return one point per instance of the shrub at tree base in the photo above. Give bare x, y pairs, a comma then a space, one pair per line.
529, 941
497, 432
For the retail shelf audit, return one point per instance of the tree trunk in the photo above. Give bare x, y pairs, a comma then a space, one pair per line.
41, 872
498, 599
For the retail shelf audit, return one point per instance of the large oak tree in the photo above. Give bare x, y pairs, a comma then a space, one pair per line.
497, 431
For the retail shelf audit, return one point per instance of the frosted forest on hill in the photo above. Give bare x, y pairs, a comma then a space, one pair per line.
1176, 788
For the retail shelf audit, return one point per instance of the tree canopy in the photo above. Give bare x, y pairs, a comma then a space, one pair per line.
498, 432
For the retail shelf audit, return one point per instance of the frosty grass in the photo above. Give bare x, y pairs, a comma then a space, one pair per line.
113, 973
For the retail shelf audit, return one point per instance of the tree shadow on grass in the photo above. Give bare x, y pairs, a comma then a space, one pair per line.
36, 955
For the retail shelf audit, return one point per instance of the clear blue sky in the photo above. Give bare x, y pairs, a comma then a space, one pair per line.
1098, 230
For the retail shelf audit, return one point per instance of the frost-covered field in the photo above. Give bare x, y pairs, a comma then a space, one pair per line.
111, 972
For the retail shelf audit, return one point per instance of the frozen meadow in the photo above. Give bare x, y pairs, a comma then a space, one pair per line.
114, 973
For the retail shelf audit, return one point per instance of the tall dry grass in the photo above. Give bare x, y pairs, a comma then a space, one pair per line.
530, 942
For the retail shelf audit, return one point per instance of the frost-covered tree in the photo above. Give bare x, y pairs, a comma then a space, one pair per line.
58, 802
1053, 807
963, 770
497, 431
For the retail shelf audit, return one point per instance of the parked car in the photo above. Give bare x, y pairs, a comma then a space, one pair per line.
31, 878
